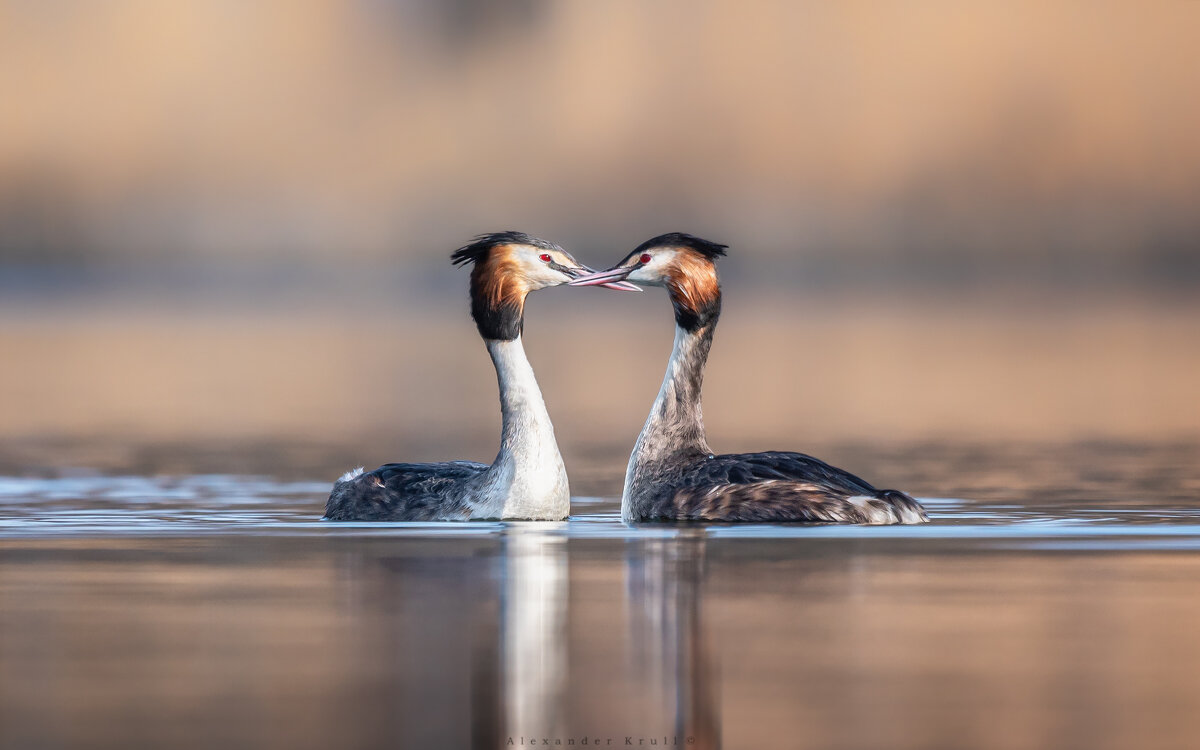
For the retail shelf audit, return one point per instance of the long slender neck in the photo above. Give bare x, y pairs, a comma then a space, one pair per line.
676, 423
528, 472
522, 409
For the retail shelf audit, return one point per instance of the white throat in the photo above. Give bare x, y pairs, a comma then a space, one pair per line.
527, 479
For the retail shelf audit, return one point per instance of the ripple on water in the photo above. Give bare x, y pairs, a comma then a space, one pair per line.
229, 504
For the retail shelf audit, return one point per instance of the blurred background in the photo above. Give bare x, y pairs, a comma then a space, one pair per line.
225, 226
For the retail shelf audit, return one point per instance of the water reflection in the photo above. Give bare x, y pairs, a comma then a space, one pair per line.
534, 629
664, 581
656, 647
217, 611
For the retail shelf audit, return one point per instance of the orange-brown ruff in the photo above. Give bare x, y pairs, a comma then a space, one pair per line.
692, 281
498, 290
497, 283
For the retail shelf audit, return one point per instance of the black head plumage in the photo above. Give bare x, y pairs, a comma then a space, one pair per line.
707, 248
479, 248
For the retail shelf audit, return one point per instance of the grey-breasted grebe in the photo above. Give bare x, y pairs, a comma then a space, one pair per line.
673, 474
527, 480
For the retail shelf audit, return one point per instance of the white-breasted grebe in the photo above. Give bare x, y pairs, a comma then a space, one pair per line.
673, 474
527, 480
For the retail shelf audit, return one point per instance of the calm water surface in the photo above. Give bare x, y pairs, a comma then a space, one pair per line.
212, 610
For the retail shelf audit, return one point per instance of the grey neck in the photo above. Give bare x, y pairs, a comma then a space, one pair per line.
528, 478
676, 424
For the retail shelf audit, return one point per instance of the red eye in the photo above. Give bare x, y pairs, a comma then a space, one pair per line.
545, 257
644, 259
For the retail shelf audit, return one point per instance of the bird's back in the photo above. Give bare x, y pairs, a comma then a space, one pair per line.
766, 487
405, 492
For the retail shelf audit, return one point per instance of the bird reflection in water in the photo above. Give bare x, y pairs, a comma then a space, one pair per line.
528, 634
533, 630
664, 581
661, 657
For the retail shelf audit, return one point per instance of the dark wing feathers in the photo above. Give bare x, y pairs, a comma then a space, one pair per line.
402, 492
746, 468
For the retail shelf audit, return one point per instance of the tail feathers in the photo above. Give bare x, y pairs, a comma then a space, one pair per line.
343, 498
905, 508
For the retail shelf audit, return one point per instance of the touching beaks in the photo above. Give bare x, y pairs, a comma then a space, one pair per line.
610, 279
613, 278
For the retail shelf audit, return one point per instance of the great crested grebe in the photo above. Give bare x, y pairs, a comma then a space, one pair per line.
527, 480
673, 474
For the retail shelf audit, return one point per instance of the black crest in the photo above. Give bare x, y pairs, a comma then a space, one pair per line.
478, 250
707, 248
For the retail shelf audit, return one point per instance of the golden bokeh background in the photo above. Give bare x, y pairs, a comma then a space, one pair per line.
230, 221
